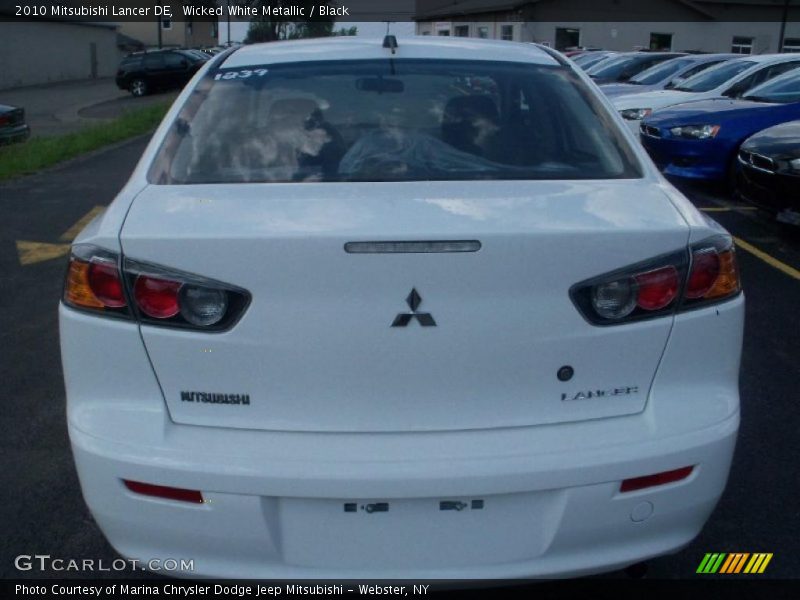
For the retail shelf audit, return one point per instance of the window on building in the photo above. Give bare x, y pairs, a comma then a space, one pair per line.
791, 45
483, 32
661, 42
461, 31
166, 23
507, 33
742, 45
444, 32
215, 30
567, 38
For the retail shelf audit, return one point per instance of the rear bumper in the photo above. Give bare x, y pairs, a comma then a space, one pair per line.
270, 517
275, 500
17, 133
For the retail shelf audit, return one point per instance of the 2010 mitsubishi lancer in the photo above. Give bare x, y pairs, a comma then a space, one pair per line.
400, 310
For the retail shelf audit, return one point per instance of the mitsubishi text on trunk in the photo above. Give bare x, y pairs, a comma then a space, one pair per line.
415, 310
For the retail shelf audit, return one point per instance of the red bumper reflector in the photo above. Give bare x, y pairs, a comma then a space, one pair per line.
161, 491
638, 483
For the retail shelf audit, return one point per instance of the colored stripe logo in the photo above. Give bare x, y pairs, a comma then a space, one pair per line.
734, 562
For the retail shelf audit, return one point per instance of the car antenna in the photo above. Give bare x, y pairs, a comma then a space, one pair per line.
389, 41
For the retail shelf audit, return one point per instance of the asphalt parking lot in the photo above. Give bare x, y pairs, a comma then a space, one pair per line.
40, 501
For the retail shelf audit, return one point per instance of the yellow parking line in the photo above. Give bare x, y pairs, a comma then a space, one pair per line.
73, 231
771, 261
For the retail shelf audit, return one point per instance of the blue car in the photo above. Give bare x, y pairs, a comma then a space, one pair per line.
699, 140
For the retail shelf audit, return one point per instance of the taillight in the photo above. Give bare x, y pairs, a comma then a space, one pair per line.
105, 282
153, 294
93, 281
706, 273
705, 270
157, 298
714, 272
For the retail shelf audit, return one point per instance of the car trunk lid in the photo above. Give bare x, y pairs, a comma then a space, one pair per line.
316, 349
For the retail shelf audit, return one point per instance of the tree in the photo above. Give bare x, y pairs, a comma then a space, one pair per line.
272, 28
347, 31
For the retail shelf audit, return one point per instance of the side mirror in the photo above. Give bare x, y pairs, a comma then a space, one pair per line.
675, 83
733, 92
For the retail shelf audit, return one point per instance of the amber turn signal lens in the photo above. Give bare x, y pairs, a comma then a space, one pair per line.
727, 282
77, 290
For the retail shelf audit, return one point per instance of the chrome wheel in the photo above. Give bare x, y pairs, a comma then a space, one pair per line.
139, 87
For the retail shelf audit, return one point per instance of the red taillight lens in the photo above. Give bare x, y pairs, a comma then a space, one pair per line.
157, 298
705, 270
161, 491
638, 483
94, 282
657, 288
106, 284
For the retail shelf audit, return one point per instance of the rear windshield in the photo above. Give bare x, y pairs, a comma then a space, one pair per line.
391, 120
715, 76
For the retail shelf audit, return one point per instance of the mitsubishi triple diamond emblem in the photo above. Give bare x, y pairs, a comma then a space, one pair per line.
413, 301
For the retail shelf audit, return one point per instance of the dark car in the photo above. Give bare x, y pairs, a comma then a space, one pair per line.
12, 125
625, 66
768, 173
144, 72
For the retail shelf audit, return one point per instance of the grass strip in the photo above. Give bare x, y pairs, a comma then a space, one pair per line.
43, 152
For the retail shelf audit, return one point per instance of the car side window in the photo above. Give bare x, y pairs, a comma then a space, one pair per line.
698, 68
761, 76
740, 87
154, 61
776, 70
173, 60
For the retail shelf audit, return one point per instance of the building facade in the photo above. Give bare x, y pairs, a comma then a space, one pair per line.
32, 53
741, 26
170, 33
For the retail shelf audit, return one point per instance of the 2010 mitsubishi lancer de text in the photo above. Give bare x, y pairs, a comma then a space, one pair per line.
400, 310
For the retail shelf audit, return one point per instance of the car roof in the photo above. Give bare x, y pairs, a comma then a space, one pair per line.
356, 48
767, 58
709, 57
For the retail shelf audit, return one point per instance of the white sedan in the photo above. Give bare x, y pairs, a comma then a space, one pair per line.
426, 310
730, 79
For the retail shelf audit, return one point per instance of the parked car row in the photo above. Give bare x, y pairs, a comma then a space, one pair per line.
715, 117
